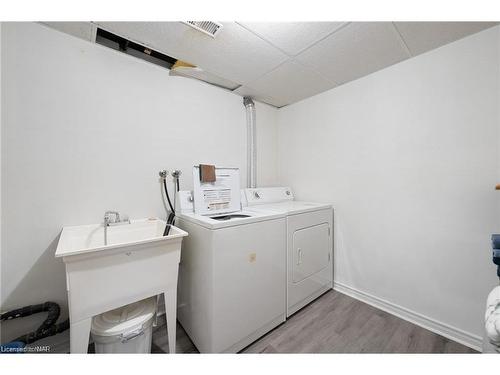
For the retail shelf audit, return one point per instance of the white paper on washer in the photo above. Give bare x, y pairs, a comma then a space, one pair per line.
219, 197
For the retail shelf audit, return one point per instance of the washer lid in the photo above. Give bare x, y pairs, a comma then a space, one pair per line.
242, 217
124, 319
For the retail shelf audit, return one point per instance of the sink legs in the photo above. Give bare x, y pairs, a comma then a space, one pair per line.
100, 283
170, 296
79, 333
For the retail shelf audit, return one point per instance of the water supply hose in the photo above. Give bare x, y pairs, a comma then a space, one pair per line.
171, 215
168, 197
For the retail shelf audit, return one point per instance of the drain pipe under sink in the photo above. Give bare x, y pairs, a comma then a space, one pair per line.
251, 142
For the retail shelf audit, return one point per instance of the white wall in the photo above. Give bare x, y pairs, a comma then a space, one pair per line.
267, 145
409, 158
86, 129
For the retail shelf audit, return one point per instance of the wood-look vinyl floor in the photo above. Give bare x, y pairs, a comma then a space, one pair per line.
334, 323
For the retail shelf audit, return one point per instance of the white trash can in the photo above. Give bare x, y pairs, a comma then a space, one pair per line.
128, 329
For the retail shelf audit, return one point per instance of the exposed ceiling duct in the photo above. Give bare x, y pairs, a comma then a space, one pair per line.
251, 142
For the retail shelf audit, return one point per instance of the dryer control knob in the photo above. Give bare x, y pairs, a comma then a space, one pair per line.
256, 195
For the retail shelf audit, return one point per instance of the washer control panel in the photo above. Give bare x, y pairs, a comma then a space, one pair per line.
255, 196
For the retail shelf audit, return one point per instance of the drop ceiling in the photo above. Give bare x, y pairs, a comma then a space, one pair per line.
284, 62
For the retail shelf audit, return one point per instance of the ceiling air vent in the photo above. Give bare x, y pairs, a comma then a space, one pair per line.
207, 27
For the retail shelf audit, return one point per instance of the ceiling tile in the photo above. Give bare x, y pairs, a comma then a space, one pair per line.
81, 30
235, 54
424, 36
253, 54
292, 37
259, 96
291, 82
200, 74
356, 50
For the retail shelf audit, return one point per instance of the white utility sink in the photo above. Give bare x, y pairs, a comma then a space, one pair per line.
89, 238
138, 262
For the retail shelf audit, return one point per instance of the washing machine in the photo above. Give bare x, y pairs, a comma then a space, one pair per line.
309, 242
232, 273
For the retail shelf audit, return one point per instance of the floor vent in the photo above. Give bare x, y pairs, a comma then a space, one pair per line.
207, 27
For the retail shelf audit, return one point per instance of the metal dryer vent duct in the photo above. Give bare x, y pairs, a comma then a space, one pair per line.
251, 143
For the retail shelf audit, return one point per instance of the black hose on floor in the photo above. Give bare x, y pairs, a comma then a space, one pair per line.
48, 326
51, 308
42, 333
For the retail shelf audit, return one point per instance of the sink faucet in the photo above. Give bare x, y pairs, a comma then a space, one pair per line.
108, 220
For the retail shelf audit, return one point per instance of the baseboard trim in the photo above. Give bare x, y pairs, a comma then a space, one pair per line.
452, 333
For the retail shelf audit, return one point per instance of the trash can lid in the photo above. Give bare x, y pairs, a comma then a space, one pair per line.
124, 319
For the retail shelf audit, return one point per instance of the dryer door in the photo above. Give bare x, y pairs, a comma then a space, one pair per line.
311, 251
309, 257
